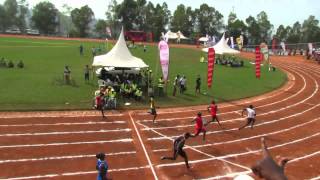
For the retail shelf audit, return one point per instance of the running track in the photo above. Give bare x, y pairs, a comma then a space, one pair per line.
62, 145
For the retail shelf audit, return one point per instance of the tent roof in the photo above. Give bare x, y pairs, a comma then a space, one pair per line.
181, 35
119, 56
171, 35
222, 47
203, 39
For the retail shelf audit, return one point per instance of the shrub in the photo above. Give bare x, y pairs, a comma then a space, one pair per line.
20, 64
10, 64
3, 63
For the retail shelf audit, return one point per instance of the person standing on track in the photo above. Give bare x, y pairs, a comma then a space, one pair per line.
213, 108
199, 126
251, 114
153, 108
178, 149
101, 166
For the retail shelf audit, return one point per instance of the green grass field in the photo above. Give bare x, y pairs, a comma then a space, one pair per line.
39, 86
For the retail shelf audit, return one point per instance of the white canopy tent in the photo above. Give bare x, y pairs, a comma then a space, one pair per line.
222, 47
203, 39
171, 35
179, 33
119, 57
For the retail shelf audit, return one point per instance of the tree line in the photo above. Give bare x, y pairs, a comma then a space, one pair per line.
156, 18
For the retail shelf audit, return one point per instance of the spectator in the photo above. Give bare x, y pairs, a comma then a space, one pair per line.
86, 73
198, 84
160, 86
103, 74
93, 50
81, 50
176, 84
144, 48
67, 74
183, 84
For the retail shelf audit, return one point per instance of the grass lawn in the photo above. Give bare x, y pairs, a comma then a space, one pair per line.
39, 85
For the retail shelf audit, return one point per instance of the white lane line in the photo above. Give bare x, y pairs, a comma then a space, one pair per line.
252, 137
291, 78
48, 115
75, 173
315, 178
228, 175
64, 144
275, 102
63, 124
194, 149
62, 157
241, 154
64, 133
267, 113
144, 148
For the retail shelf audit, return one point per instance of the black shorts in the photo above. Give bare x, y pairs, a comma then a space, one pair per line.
153, 111
250, 119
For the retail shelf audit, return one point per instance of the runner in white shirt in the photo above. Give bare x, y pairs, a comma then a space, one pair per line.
251, 114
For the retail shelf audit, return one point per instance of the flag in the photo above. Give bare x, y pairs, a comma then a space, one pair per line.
211, 56
258, 61
232, 43
164, 58
108, 31
310, 48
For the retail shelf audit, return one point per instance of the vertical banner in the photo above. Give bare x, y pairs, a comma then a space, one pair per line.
164, 58
211, 56
232, 42
258, 61
310, 48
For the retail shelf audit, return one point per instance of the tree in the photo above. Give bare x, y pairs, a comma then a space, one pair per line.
310, 30
265, 27
127, 12
112, 18
253, 30
179, 19
3, 19
45, 17
21, 16
235, 26
81, 19
100, 27
11, 10
282, 33
294, 35
209, 20
65, 19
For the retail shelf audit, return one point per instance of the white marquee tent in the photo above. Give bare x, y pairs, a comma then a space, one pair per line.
171, 35
119, 56
179, 33
222, 47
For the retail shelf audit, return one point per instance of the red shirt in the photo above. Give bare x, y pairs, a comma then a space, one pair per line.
99, 100
199, 122
213, 109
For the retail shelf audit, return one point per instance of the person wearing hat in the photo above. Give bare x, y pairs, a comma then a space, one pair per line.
251, 114
199, 126
101, 166
178, 145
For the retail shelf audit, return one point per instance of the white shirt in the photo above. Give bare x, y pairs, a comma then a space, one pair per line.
251, 112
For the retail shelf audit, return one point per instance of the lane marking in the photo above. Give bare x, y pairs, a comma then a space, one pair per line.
62, 157
63, 124
241, 154
75, 173
49, 115
63, 144
194, 149
64, 133
144, 148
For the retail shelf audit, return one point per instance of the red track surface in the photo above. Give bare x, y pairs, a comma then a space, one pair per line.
62, 145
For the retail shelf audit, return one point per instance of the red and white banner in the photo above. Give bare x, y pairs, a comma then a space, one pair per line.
258, 61
211, 56
164, 58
